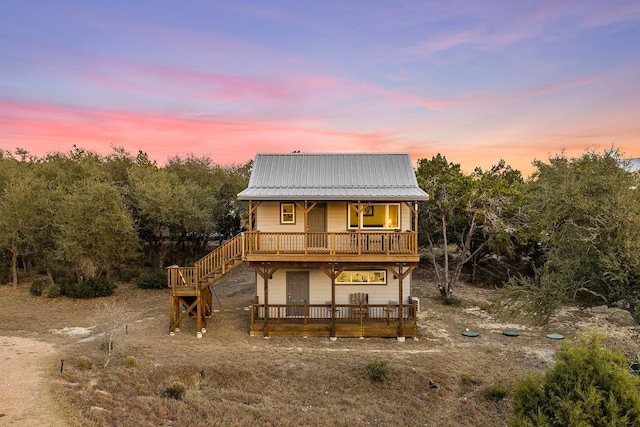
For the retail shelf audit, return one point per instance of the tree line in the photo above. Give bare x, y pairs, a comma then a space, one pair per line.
574, 225
571, 230
81, 215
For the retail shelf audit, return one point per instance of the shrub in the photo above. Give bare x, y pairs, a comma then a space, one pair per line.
90, 287
378, 370
84, 363
496, 393
38, 286
107, 343
588, 385
127, 274
5, 272
154, 279
175, 390
469, 380
130, 362
53, 291
451, 301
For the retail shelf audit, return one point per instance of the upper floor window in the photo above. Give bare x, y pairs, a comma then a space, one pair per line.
375, 215
287, 213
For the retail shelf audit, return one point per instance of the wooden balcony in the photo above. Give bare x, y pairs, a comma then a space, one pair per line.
344, 246
351, 320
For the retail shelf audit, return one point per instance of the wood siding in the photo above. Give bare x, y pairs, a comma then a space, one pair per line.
320, 288
268, 218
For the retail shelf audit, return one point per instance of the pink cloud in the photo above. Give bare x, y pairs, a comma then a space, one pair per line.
42, 128
555, 87
174, 82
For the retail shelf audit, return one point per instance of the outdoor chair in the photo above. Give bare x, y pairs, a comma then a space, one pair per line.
360, 305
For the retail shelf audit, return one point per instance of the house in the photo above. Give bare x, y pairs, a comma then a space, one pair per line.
333, 240
631, 165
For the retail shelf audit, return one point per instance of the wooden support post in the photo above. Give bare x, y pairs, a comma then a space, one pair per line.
306, 208
265, 273
252, 209
333, 273
172, 310
306, 228
400, 308
400, 274
265, 278
415, 229
199, 316
333, 299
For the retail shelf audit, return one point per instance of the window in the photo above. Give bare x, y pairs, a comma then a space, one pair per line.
287, 213
375, 215
362, 277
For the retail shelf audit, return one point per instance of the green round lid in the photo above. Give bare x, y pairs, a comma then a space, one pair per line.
468, 333
555, 336
511, 333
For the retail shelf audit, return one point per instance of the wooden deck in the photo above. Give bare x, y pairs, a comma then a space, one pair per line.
344, 243
372, 320
190, 293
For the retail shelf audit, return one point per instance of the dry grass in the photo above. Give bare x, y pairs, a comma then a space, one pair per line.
230, 378
230, 392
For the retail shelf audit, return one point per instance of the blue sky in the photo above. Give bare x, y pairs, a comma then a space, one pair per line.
474, 80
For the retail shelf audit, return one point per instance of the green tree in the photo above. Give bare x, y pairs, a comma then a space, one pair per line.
95, 233
587, 386
462, 210
25, 209
503, 189
586, 215
75, 210
162, 207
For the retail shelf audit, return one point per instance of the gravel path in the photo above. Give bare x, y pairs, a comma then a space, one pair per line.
23, 398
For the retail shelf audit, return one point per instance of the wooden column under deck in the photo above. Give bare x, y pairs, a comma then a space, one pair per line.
265, 273
333, 274
400, 274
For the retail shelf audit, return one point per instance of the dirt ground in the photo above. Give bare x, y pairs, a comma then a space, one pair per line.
445, 370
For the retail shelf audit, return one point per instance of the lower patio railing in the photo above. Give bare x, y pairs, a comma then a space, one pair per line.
321, 313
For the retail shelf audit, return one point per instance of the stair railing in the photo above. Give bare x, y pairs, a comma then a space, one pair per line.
218, 261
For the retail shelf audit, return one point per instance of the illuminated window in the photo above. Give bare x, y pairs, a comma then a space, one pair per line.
375, 215
362, 277
287, 213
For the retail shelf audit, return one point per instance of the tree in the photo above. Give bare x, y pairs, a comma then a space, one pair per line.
163, 208
587, 386
25, 211
75, 210
462, 210
95, 233
111, 318
586, 214
503, 186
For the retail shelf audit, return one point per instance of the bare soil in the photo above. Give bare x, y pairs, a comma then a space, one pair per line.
230, 378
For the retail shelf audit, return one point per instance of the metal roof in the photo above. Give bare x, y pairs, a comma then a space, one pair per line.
333, 176
631, 165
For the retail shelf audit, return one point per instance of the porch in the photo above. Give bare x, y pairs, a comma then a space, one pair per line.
347, 246
343, 320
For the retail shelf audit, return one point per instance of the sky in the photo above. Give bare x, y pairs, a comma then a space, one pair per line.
477, 81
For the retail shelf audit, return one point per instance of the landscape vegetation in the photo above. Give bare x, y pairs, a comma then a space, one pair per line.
85, 239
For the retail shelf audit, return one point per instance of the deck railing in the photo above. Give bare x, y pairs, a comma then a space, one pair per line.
222, 259
346, 243
218, 260
321, 313
181, 277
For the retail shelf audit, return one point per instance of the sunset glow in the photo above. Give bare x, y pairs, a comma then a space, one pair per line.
475, 81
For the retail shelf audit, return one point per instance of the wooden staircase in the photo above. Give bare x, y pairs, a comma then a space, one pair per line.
190, 292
